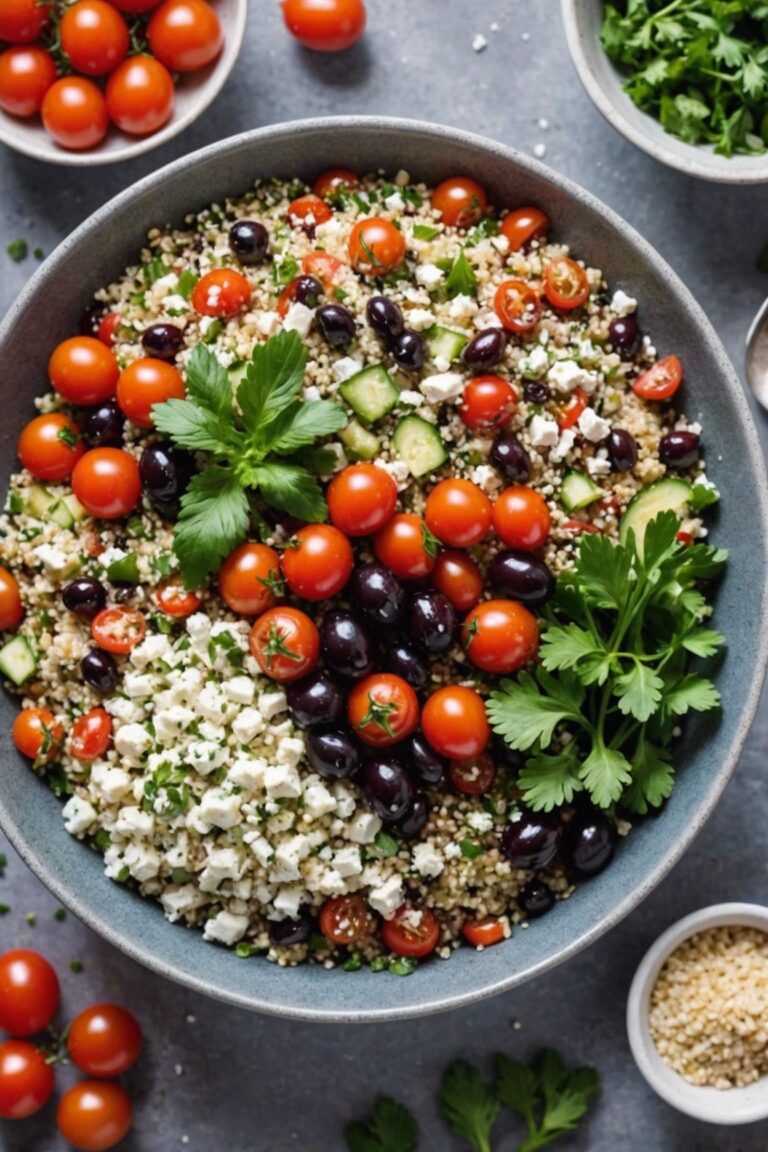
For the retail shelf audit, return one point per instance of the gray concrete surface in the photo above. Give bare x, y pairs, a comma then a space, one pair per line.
214, 1079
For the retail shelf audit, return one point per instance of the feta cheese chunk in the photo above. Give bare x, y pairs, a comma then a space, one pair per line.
442, 386
132, 741
248, 724
225, 928
78, 815
240, 690
364, 828
318, 800
220, 808
299, 319
272, 703
282, 782
427, 860
109, 783
565, 375
387, 898
346, 367
429, 276
142, 861
623, 304
544, 432
593, 427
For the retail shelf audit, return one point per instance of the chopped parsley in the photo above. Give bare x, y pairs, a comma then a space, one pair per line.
18, 250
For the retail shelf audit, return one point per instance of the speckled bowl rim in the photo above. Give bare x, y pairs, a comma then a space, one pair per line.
292, 1006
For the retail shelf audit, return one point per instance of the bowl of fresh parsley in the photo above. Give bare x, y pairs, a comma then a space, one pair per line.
684, 80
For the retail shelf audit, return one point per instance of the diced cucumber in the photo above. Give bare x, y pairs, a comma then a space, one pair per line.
577, 491
125, 570
419, 445
370, 393
75, 507
359, 442
61, 515
39, 502
667, 495
445, 343
17, 660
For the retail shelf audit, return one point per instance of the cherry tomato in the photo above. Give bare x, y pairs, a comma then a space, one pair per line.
91, 735
173, 598
474, 776
118, 629
483, 933
325, 25
249, 579
310, 210
83, 370
361, 499
521, 518
95, 1115
459, 579
458, 513
26, 1080
684, 538
406, 546
50, 446
569, 414
523, 225
222, 292
94, 36
580, 526
323, 267
140, 95
134, 7
376, 247
454, 722
106, 482
104, 1041
29, 991
383, 709
661, 381
317, 562
285, 643
75, 113
500, 636
565, 284
488, 403
37, 734
185, 34
517, 305
334, 180
144, 383
26, 74
22, 20
460, 201
11, 607
346, 919
412, 931
107, 329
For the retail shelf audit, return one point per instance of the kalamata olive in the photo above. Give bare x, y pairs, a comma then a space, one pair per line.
99, 670
432, 621
307, 290
346, 645
249, 241
337, 324
535, 898
164, 477
486, 350
103, 427
625, 335
423, 762
315, 699
90, 320
511, 459
622, 449
679, 449
535, 392
406, 661
532, 841
379, 594
521, 576
162, 341
283, 933
413, 823
589, 843
505, 756
333, 754
388, 788
384, 317
409, 350
85, 597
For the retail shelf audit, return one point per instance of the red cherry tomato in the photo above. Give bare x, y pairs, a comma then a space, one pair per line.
517, 305
580, 526
249, 579
118, 629
309, 210
454, 722
29, 992
361, 499
488, 403
661, 381
26, 74
91, 735
383, 709
459, 579
376, 247
323, 267
317, 562
104, 1041
173, 599
521, 518
11, 607
22, 21
565, 284
405, 545
75, 114
569, 415
84, 371
412, 931
474, 776
334, 180
185, 34
107, 329
346, 920
144, 383
106, 481
460, 201
483, 933
26, 1080
95, 1115
94, 36
458, 513
500, 636
523, 225
135, 7
50, 446
222, 292
325, 25
37, 734
140, 95
285, 643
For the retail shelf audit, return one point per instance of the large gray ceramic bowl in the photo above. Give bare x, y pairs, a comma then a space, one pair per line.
49, 310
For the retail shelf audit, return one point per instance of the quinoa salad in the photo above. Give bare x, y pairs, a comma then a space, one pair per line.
354, 571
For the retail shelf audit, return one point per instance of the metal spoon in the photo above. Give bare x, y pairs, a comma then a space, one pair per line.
757, 356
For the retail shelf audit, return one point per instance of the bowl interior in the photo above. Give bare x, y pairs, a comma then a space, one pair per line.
98, 252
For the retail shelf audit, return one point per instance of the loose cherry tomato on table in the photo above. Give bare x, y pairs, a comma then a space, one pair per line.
454, 722
119, 629
50, 446
361, 499
458, 513
661, 381
37, 734
569, 414
106, 481
412, 931
22, 20
460, 201
521, 518
517, 305
222, 292
317, 562
249, 579
524, 225
26, 1080
459, 579
83, 370
95, 1115
94, 36
475, 776
406, 546
75, 114
483, 933
144, 383
185, 34
500, 636
488, 403
11, 607
175, 600
376, 247
309, 210
140, 95
566, 285
91, 735
285, 643
104, 1041
26, 74
107, 329
334, 180
383, 709
323, 267
325, 25
29, 992
346, 920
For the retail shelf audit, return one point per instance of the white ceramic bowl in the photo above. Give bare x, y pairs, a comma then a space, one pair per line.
713, 1105
603, 82
194, 92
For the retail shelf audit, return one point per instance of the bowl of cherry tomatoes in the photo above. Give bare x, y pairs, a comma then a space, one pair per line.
88, 82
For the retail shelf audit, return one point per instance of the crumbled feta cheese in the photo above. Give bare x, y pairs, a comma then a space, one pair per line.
345, 368
138, 686
142, 861
153, 647
133, 823
429, 276
462, 308
247, 773
544, 432
54, 560
248, 724
177, 901
205, 756
126, 711
420, 318
282, 782
427, 860
170, 721
443, 386
345, 800
240, 690
622, 303
395, 202
535, 363
267, 323
479, 44
220, 808
78, 815
597, 466
364, 828
411, 398
565, 375
225, 928
132, 741
564, 445
501, 244
289, 901
480, 821
290, 750
299, 319
452, 851
272, 703
262, 850
318, 800
387, 898
111, 784
347, 861
593, 427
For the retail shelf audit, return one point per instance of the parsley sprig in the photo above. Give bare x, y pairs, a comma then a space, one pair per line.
598, 714
258, 441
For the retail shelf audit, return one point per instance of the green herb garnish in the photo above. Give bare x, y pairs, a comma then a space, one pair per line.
425, 232
550, 1098
461, 279
391, 1128
18, 250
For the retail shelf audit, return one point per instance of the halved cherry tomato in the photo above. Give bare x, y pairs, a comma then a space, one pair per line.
106, 481
412, 931
474, 776
83, 370
75, 114
523, 225
580, 526
118, 629
50, 446
406, 546
325, 25
309, 210
94, 36
144, 383
140, 95
185, 34
317, 562
459, 579
458, 513
107, 329
104, 1041
346, 920
566, 285
26, 1080
249, 579
361, 499
454, 722
500, 636
517, 305
38, 735
22, 20
26, 74
323, 267
91, 735
383, 709
95, 1115
521, 518
29, 992
376, 247
488, 403
461, 201
173, 598
11, 607
684, 538
661, 381
484, 933
222, 292
286, 644
570, 413
334, 180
